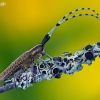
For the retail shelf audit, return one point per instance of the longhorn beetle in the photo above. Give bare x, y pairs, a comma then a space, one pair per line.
27, 58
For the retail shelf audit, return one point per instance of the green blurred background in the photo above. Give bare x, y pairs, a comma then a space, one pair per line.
23, 24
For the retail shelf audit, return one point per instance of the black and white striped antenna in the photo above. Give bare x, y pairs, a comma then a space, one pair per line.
66, 18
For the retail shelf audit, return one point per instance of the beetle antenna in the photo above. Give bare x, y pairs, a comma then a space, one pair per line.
66, 18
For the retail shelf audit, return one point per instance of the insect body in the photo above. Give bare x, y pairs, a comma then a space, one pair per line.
23, 61
26, 59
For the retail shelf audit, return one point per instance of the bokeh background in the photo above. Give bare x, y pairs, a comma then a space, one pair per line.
23, 24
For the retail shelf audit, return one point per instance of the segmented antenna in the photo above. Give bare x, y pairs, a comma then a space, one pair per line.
66, 18
79, 10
